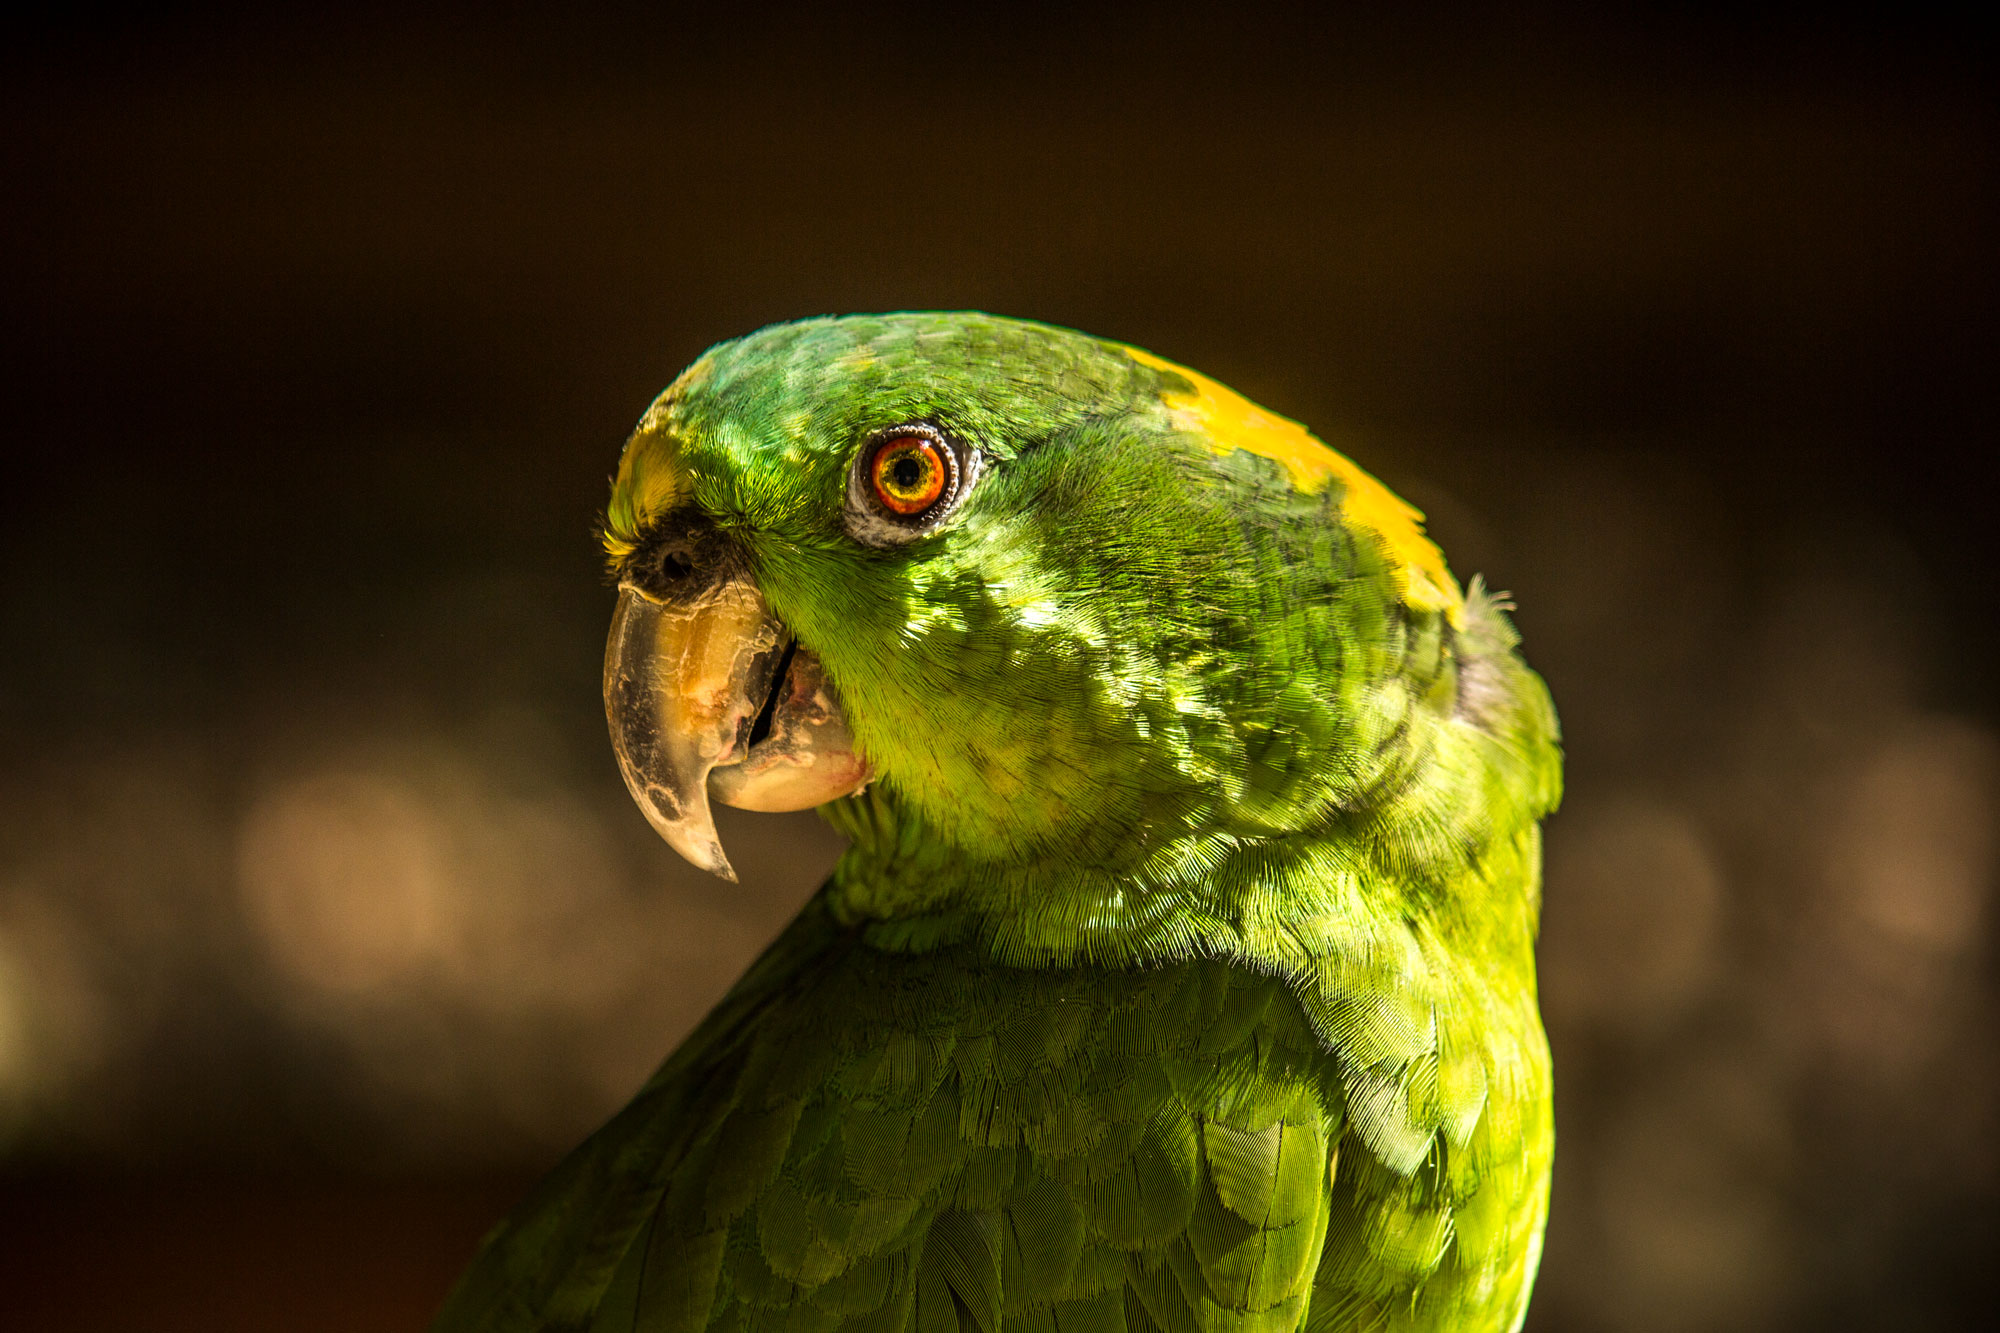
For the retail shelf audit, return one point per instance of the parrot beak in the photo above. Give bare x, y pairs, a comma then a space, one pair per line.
709, 695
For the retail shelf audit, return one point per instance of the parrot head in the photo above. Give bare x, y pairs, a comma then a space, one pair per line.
1050, 598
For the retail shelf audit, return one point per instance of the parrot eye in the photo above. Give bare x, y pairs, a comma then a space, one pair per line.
908, 473
905, 481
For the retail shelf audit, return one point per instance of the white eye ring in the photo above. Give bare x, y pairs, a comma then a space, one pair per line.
872, 523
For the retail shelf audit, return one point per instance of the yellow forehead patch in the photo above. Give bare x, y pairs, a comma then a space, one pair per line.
1230, 422
648, 485
650, 480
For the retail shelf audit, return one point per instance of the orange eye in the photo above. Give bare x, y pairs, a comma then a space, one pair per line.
908, 473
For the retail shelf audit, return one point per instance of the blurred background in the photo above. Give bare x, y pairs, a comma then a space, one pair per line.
325, 923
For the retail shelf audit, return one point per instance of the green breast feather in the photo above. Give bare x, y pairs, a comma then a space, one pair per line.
1180, 973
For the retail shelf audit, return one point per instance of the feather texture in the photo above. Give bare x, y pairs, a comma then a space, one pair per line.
1212, 1163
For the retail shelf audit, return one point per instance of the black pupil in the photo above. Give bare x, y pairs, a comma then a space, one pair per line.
907, 472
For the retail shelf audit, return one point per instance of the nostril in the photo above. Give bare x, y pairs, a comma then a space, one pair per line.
667, 568
680, 556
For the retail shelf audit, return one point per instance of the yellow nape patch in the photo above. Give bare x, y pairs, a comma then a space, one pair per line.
1231, 422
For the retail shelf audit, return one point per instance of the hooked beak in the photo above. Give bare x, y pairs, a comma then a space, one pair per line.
709, 695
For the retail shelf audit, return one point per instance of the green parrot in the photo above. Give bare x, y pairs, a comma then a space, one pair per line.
1179, 974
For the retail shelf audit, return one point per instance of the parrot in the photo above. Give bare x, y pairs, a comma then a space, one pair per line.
1178, 972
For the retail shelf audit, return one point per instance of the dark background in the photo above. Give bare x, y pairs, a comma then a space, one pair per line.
325, 923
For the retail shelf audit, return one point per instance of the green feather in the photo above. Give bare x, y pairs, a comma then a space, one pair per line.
964, 1249
1042, 1239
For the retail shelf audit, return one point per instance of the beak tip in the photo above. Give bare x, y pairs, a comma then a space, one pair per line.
702, 852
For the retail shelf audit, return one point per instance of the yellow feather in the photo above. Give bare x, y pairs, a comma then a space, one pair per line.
1231, 422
